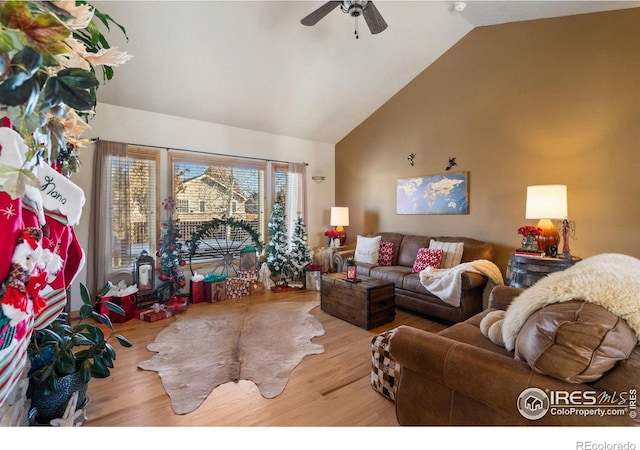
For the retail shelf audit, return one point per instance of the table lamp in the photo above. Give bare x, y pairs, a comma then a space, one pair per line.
546, 202
340, 219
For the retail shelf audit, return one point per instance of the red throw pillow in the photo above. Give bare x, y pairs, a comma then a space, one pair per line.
386, 254
427, 257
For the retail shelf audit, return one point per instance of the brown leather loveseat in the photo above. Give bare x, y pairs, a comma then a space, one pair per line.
460, 377
410, 294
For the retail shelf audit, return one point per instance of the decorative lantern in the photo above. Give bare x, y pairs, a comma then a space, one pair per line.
145, 272
351, 270
352, 273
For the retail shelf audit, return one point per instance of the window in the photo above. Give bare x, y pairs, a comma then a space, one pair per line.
182, 206
223, 188
203, 186
131, 185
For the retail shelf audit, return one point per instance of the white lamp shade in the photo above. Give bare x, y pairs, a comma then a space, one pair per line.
546, 202
339, 216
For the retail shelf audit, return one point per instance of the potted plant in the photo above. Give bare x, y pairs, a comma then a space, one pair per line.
65, 357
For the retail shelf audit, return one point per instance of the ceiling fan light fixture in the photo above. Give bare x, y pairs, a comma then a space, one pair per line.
460, 6
354, 8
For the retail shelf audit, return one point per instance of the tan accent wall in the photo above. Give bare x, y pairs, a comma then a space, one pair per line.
554, 101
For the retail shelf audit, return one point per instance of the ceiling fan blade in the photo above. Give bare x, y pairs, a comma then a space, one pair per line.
373, 18
319, 13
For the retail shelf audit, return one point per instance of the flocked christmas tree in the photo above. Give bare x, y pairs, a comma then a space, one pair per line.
277, 260
170, 254
300, 255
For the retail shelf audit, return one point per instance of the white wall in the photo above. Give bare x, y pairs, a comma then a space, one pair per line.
114, 123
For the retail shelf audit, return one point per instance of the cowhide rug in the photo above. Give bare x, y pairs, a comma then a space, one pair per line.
262, 343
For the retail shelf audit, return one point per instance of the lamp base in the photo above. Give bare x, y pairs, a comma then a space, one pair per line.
341, 234
549, 235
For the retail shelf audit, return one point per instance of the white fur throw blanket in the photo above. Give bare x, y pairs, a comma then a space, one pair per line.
610, 280
446, 284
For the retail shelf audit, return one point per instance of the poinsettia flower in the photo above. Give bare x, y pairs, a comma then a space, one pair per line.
73, 125
529, 230
108, 57
82, 14
78, 56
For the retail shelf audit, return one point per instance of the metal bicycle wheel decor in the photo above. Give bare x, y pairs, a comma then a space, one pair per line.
220, 241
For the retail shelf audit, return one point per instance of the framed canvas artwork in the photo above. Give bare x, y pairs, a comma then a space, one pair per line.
433, 194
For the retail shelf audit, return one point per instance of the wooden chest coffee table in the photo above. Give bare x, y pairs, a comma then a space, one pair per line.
367, 304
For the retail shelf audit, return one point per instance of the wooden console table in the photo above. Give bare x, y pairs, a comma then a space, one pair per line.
367, 304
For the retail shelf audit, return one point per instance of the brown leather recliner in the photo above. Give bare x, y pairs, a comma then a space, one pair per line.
459, 377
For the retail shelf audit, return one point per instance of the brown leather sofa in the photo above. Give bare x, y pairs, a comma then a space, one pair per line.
410, 293
459, 377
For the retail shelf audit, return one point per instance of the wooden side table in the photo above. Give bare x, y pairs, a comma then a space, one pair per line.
524, 271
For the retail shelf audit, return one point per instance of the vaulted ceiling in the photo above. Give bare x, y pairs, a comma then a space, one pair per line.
253, 65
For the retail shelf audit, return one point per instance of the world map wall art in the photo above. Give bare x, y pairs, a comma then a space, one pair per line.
434, 194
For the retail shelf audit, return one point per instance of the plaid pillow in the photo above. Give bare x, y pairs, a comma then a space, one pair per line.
386, 254
427, 257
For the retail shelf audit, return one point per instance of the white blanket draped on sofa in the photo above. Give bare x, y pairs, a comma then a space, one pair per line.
446, 284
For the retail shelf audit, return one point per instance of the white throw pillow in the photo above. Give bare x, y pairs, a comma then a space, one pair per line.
452, 252
367, 249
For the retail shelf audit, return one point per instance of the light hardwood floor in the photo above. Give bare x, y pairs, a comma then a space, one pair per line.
329, 389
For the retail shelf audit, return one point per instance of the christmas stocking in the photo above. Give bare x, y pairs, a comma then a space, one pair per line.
63, 202
11, 226
13, 152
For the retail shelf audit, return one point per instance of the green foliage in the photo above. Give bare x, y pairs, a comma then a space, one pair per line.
351, 261
61, 349
38, 90
209, 228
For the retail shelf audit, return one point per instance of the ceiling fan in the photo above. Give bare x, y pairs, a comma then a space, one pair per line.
355, 8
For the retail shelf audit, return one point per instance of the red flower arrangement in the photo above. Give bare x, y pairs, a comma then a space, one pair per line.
331, 233
529, 230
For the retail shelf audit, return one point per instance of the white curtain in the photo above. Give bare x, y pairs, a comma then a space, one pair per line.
296, 196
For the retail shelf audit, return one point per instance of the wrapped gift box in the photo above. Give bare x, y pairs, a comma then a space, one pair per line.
256, 287
129, 303
214, 292
248, 259
250, 275
237, 287
313, 278
177, 305
153, 314
196, 291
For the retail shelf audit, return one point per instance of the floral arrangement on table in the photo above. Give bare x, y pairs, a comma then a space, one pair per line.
331, 235
530, 233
